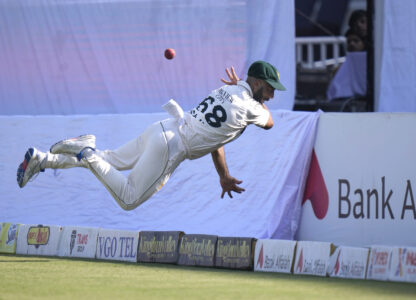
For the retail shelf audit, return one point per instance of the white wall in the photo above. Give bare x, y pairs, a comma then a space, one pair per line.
368, 167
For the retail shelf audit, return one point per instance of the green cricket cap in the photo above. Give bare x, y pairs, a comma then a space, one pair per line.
263, 70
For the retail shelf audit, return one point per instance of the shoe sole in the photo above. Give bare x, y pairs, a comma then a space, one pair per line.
23, 166
83, 137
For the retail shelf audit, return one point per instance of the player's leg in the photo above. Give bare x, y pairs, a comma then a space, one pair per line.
36, 161
124, 157
164, 140
147, 175
74, 145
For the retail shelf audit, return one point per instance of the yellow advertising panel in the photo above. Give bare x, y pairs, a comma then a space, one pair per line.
8, 237
38, 235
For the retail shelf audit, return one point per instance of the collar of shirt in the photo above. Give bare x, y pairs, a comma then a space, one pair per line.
246, 86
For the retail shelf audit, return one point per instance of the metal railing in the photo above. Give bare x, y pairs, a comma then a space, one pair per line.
320, 52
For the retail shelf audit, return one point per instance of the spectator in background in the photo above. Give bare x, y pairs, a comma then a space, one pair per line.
348, 82
354, 41
356, 34
354, 44
358, 23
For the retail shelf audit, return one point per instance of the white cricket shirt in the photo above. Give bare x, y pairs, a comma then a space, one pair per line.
221, 118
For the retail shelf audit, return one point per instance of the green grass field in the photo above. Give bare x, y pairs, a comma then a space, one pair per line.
28, 277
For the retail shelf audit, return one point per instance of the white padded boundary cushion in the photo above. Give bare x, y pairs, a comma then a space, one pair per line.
78, 242
348, 262
379, 262
312, 258
38, 240
274, 255
403, 264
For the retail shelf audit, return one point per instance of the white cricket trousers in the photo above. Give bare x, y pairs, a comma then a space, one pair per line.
152, 157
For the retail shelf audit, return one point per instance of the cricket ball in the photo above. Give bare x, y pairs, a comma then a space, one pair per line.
170, 53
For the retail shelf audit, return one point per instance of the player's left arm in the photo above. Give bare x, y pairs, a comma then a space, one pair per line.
228, 183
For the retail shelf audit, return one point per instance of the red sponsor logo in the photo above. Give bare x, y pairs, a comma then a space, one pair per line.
260, 259
411, 258
300, 262
381, 258
315, 190
82, 239
337, 264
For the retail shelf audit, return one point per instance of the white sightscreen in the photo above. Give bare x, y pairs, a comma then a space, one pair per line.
272, 163
97, 56
395, 56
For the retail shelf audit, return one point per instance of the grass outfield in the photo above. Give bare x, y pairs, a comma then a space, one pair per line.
28, 277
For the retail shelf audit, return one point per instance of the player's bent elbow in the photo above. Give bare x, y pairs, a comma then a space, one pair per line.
269, 124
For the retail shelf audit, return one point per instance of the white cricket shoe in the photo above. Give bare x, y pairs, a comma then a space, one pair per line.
75, 145
30, 166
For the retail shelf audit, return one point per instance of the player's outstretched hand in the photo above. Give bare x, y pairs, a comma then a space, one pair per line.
232, 76
230, 184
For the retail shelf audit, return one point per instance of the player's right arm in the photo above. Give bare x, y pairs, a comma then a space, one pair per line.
269, 123
228, 183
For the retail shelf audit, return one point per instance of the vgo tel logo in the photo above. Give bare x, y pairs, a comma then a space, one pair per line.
113, 247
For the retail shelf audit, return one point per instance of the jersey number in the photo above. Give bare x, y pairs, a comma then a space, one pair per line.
217, 115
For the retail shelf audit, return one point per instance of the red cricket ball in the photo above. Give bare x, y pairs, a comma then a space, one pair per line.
170, 53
